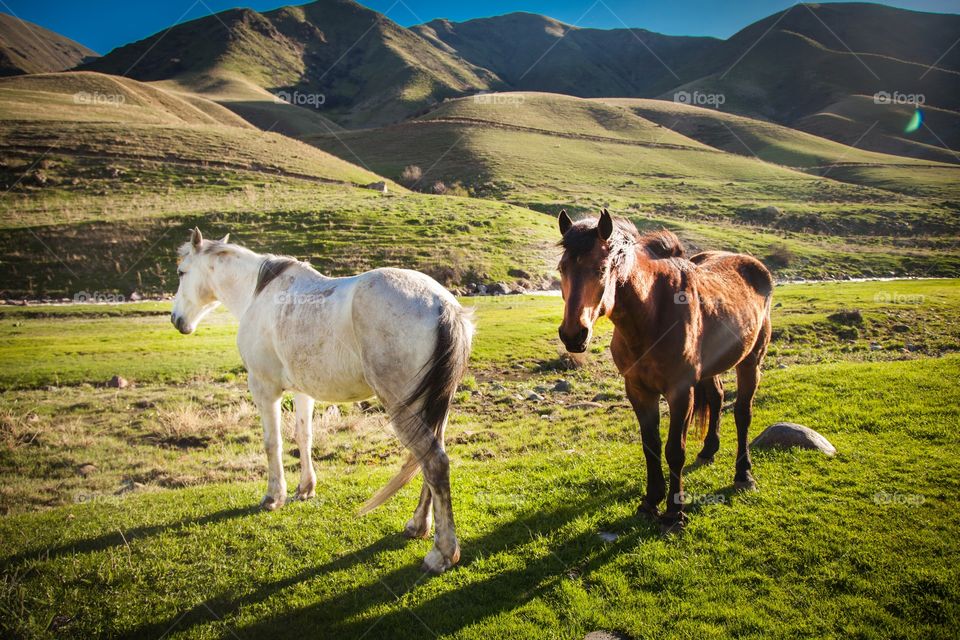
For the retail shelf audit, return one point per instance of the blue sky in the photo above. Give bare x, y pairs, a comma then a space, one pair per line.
105, 24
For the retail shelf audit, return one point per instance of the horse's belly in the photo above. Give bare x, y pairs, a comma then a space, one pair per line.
326, 373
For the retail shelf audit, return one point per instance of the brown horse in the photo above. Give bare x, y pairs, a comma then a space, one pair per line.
678, 324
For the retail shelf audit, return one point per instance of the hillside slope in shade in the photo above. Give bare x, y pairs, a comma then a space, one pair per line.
29, 48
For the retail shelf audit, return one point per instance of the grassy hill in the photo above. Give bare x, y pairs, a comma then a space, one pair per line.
547, 151
858, 120
361, 69
537, 53
782, 145
100, 191
367, 68
816, 47
29, 48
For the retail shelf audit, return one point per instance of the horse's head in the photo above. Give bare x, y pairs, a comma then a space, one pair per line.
595, 251
195, 297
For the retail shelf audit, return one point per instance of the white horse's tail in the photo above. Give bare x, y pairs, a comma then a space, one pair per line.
433, 393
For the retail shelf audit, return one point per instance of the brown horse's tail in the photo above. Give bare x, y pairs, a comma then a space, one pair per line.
701, 409
434, 393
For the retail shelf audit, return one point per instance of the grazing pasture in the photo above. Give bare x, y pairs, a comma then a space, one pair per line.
133, 512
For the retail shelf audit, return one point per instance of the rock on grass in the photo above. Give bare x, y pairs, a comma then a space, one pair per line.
786, 435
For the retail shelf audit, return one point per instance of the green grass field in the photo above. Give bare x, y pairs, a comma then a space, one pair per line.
132, 512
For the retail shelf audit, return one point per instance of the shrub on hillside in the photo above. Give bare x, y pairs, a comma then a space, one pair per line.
780, 256
411, 175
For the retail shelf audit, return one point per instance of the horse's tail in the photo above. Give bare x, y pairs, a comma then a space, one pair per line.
434, 392
701, 409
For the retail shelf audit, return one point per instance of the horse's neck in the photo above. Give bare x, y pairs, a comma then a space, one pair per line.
234, 283
634, 292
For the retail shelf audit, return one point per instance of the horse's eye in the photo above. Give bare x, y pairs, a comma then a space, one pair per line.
180, 273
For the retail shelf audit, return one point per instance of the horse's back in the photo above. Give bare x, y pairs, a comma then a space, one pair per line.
747, 268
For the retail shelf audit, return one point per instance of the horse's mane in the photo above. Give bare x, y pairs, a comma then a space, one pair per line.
658, 245
661, 244
270, 269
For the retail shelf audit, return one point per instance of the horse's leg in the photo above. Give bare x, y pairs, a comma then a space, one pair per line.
748, 373
419, 525
427, 447
303, 404
267, 398
436, 473
748, 378
681, 411
713, 388
647, 407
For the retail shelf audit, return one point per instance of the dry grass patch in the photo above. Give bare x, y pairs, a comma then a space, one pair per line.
187, 425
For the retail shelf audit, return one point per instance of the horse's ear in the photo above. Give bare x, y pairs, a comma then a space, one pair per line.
225, 239
196, 238
565, 222
605, 225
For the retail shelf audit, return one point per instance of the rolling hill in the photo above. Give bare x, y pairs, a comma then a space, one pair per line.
547, 151
103, 175
812, 66
536, 53
205, 139
782, 145
361, 67
29, 48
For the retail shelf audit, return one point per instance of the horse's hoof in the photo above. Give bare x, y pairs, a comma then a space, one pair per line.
306, 489
415, 531
436, 564
672, 523
304, 495
704, 460
745, 485
649, 512
269, 503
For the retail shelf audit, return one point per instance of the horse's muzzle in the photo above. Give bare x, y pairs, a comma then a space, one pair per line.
576, 343
179, 324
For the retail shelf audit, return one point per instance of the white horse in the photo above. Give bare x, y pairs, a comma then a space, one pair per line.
393, 333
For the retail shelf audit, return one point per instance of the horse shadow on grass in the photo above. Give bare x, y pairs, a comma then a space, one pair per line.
348, 613
117, 539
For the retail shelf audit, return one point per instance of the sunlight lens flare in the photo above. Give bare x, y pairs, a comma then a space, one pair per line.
915, 121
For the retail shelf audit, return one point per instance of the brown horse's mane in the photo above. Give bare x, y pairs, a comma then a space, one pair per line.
658, 245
